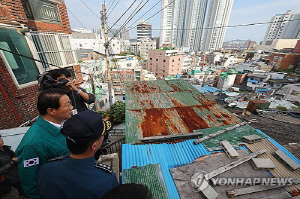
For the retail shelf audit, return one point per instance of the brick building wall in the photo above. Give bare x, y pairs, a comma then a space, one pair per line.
23, 101
297, 47
239, 79
284, 61
18, 105
64, 27
12, 12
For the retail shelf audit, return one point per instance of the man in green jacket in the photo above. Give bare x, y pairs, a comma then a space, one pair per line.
43, 140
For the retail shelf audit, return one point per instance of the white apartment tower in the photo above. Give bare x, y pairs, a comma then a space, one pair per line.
216, 20
182, 22
144, 30
283, 26
193, 25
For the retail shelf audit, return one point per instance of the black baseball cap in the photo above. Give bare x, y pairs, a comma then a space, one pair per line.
85, 126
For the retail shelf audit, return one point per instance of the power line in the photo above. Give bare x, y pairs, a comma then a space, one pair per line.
90, 9
110, 5
28, 57
129, 19
75, 17
228, 26
146, 19
112, 9
146, 12
122, 15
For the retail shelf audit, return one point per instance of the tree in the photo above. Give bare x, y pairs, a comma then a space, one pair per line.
117, 112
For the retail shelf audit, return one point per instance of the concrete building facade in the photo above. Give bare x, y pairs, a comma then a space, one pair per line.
164, 63
144, 30
284, 26
217, 16
144, 46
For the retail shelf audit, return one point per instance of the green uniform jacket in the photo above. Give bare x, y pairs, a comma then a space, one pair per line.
41, 142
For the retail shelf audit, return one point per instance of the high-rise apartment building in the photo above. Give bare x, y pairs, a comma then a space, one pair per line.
144, 30
193, 24
283, 26
217, 18
182, 22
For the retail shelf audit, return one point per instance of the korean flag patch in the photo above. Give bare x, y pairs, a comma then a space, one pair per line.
31, 162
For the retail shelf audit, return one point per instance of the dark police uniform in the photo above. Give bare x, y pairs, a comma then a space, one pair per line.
75, 178
69, 178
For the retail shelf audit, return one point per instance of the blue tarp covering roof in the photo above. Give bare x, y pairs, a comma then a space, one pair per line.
262, 90
252, 80
211, 89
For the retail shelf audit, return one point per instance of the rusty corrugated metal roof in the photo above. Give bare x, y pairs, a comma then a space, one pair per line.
280, 170
163, 107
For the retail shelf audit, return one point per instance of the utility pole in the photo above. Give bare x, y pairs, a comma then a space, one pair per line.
92, 82
106, 45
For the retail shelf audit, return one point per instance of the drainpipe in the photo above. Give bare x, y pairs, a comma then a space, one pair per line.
10, 103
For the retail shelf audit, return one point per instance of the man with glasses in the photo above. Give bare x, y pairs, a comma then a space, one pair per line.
78, 96
78, 176
43, 140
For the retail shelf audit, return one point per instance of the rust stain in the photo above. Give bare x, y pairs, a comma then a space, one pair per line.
295, 193
176, 103
142, 87
154, 123
191, 119
176, 88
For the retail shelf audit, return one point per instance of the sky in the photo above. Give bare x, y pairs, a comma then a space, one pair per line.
243, 12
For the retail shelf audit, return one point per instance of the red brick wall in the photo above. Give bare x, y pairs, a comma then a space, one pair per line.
239, 79
64, 27
287, 60
12, 12
23, 100
297, 48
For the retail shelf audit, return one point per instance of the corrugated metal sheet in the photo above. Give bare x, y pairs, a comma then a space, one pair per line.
12, 137
279, 146
280, 170
167, 155
182, 177
169, 107
149, 175
233, 136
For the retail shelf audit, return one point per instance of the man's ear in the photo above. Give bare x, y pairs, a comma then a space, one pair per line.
51, 111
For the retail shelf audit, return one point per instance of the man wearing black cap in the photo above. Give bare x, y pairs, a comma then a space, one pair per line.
78, 176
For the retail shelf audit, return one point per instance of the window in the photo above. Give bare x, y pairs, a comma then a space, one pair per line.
172, 60
54, 48
101, 103
150, 57
24, 69
84, 55
156, 59
164, 60
42, 10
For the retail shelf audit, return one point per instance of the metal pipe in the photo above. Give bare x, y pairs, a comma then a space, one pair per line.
10, 103
10, 86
